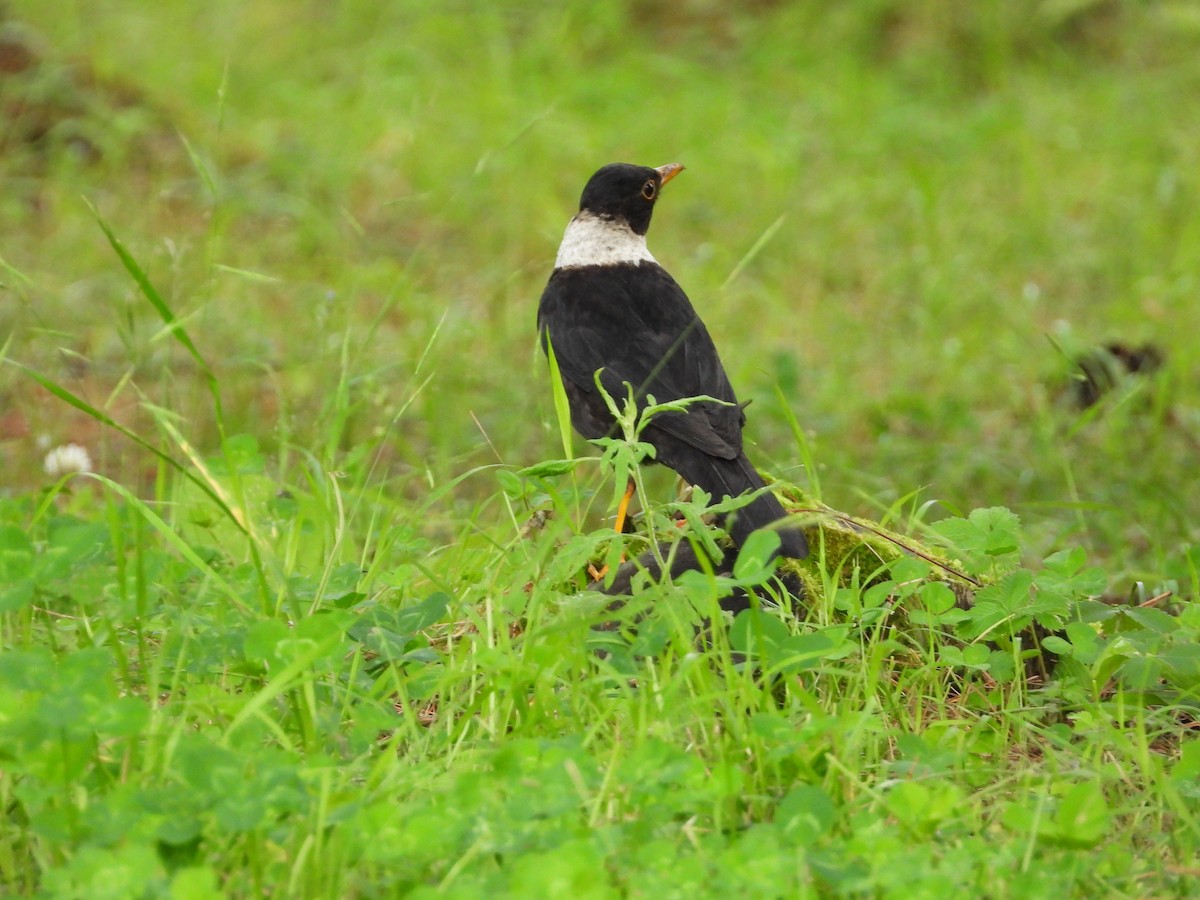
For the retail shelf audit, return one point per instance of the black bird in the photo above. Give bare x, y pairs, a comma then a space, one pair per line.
610, 306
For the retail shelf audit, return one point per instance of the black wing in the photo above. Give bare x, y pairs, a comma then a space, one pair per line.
636, 323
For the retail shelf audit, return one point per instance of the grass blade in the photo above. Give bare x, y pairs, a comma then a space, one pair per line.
763, 240
562, 409
151, 294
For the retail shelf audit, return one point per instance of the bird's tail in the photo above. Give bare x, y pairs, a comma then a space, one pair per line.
734, 477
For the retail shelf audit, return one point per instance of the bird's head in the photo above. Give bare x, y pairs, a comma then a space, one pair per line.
626, 192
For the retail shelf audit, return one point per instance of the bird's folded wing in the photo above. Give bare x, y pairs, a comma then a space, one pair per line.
652, 340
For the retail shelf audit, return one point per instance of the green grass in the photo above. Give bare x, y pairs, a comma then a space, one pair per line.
301, 633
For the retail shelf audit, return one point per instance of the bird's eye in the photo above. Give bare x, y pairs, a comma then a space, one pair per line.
649, 189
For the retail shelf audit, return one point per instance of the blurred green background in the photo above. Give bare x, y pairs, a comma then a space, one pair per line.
901, 220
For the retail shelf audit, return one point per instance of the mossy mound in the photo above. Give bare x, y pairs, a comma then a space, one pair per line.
845, 549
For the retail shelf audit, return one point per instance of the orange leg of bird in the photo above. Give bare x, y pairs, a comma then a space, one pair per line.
622, 514
623, 508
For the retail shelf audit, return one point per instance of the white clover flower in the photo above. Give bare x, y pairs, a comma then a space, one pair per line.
67, 458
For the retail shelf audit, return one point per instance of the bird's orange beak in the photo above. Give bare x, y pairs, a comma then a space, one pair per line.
669, 171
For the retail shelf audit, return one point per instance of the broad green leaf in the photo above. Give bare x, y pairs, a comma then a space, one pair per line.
976, 655
16, 554
1004, 605
196, 883
805, 814
262, 641
1153, 619
908, 569
553, 468
757, 632
239, 455
798, 652
512, 485
936, 597
984, 539
1082, 818
1055, 644
754, 564
1188, 766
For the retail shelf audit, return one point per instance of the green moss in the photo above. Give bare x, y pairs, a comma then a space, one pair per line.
846, 550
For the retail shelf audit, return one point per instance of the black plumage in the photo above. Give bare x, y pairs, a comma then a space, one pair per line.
610, 306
